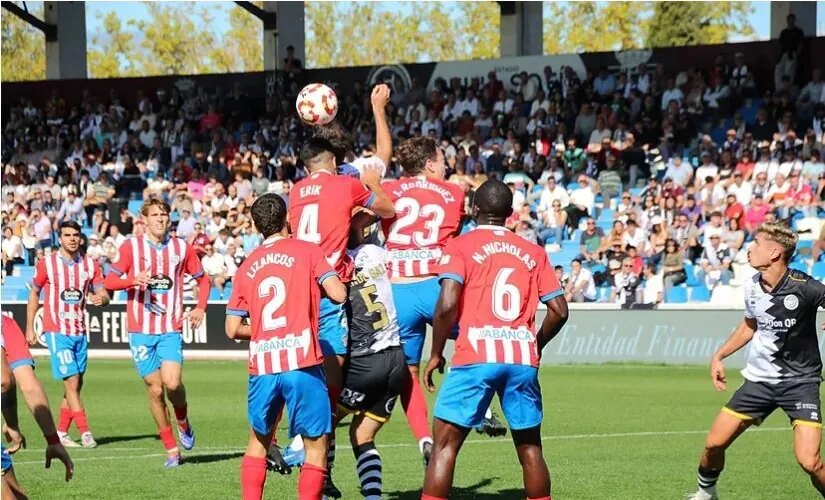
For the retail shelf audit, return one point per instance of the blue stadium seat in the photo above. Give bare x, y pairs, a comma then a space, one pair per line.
635, 192
607, 214
749, 113
603, 294
818, 271
23, 293
677, 295
799, 266
804, 245
690, 272
227, 291
718, 135
699, 294
8, 293
214, 294
134, 206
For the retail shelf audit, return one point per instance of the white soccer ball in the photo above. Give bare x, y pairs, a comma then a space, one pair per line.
317, 104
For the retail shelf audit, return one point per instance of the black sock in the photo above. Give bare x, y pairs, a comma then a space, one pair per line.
707, 477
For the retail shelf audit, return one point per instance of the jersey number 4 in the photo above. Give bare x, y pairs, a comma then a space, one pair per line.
308, 224
411, 211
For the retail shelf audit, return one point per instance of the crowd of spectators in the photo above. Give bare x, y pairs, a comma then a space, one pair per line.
622, 163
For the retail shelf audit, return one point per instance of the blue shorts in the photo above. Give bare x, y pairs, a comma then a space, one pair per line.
149, 351
69, 354
6, 459
415, 306
467, 391
333, 331
304, 392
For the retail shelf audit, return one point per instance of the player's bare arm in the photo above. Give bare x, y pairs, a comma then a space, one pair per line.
197, 314
38, 404
31, 311
446, 313
334, 289
383, 139
554, 320
11, 426
738, 339
382, 205
236, 329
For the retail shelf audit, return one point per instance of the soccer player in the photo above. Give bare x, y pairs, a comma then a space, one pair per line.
491, 282
17, 369
70, 282
783, 368
428, 214
320, 209
151, 267
374, 368
278, 287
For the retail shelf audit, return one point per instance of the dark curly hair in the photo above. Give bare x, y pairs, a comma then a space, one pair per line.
269, 214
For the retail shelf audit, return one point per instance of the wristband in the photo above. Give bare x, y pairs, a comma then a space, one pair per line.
52, 439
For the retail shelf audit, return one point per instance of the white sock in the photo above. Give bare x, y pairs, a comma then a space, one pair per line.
422, 442
297, 443
488, 413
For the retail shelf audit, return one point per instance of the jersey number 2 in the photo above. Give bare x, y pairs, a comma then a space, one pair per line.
432, 214
275, 288
506, 296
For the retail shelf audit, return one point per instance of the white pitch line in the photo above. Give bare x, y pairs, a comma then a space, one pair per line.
210, 450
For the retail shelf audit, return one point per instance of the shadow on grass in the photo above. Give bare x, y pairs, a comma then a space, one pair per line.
101, 441
211, 458
469, 492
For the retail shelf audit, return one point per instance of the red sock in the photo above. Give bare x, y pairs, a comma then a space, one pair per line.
311, 482
253, 477
80, 421
415, 406
168, 439
180, 416
65, 420
278, 418
334, 396
425, 496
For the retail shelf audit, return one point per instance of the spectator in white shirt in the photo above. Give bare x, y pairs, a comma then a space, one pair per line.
582, 201
527, 87
600, 133
12, 248
742, 189
504, 103
653, 287
432, 123
580, 287
706, 169
214, 265
680, 171
94, 249
541, 102
147, 135
672, 93
469, 103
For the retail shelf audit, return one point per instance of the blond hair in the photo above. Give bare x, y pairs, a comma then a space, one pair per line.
154, 202
782, 234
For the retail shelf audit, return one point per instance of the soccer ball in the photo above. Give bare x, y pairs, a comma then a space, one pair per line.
317, 104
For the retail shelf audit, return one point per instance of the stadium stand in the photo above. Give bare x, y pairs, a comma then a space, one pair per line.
700, 157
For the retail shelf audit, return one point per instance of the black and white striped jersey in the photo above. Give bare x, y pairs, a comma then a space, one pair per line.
785, 347
373, 323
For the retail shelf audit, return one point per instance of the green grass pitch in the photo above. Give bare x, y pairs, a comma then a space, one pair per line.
610, 432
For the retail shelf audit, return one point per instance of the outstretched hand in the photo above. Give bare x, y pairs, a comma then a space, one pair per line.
380, 96
59, 452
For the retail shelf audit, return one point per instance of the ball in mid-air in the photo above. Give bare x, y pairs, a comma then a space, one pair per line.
317, 104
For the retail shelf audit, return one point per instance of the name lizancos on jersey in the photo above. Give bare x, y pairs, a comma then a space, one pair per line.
785, 346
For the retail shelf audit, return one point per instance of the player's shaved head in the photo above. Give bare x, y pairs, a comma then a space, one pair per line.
269, 214
317, 153
493, 200
339, 140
